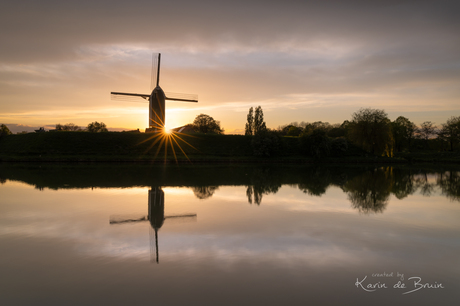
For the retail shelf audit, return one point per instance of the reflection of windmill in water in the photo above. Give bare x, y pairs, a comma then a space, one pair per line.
156, 99
156, 217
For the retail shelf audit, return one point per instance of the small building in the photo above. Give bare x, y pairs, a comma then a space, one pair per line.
186, 129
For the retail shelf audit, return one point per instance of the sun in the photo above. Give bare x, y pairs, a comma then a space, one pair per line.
168, 127
168, 138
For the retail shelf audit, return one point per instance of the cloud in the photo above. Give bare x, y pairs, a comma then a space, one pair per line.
59, 55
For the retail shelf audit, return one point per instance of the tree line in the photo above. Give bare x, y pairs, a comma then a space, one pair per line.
93, 127
368, 190
369, 129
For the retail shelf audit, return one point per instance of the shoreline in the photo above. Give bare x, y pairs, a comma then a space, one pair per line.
113, 147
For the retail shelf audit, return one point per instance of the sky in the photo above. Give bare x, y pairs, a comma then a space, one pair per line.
299, 60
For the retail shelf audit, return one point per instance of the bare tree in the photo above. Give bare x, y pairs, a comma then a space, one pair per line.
426, 131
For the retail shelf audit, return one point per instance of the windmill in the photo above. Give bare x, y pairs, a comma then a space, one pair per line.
156, 217
156, 98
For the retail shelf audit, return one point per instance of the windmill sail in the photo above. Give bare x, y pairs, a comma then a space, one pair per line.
181, 97
155, 74
129, 219
131, 97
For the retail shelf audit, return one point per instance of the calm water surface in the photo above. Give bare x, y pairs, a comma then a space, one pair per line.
239, 235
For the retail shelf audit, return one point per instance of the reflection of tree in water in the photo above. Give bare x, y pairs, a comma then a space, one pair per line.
369, 192
2, 181
316, 182
426, 188
204, 192
263, 181
255, 192
450, 184
404, 183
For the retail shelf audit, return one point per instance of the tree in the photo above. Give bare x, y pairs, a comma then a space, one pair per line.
249, 128
67, 127
450, 131
71, 127
294, 131
206, 124
370, 129
403, 132
426, 130
4, 130
259, 123
96, 127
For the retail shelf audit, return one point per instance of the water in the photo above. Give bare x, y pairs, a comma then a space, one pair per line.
228, 235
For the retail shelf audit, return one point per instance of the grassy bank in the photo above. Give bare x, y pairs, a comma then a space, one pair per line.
129, 147
76, 146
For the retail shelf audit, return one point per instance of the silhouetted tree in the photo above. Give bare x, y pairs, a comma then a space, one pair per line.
337, 131
426, 130
4, 130
67, 127
265, 142
206, 124
403, 132
259, 123
96, 127
450, 131
249, 128
370, 130
294, 131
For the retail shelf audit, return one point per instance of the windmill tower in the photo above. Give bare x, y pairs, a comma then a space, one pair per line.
156, 99
156, 217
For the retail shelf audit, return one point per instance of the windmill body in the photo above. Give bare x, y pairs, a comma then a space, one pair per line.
157, 114
157, 105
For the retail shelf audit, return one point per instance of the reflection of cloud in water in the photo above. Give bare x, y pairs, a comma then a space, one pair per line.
177, 190
122, 190
291, 227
